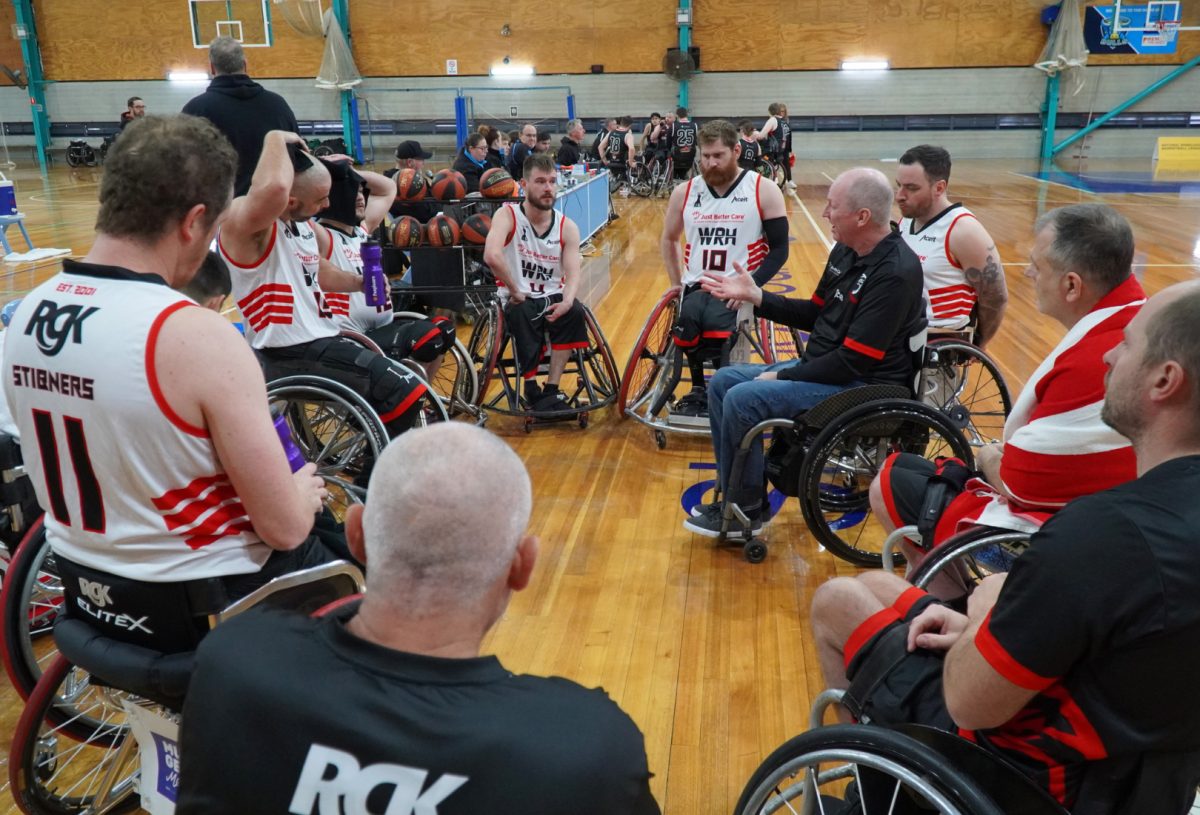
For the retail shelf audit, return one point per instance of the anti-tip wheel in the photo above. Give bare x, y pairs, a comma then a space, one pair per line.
660, 439
755, 551
583, 421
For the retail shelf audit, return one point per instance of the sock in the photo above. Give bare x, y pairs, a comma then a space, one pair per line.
549, 390
532, 391
696, 369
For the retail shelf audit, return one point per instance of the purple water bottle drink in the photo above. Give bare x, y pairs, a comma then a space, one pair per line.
375, 282
294, 456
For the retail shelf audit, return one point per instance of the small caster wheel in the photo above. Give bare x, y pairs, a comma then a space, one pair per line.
583, 421
755, 551
660, 439
529, 424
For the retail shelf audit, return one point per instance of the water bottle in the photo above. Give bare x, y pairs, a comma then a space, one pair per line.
284, 431
375, 283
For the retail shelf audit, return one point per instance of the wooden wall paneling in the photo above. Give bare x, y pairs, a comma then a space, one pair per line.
10, 47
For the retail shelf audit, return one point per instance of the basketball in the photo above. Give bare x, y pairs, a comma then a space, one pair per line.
410, 185
442, 230
449, 185
406, 232
475, 228
497, 183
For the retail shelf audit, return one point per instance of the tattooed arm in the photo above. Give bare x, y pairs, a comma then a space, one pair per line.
975, 251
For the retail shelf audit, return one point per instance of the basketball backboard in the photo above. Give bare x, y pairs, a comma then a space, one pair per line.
247, 21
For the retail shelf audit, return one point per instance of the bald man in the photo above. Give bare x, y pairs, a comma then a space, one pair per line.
280, 281
390, 702
867, 305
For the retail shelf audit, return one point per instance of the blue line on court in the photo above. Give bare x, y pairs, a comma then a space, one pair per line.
1120, 182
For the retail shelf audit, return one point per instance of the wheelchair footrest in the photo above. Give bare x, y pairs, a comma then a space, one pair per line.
680, 420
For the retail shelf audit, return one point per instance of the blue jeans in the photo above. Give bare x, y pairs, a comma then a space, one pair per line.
736, 403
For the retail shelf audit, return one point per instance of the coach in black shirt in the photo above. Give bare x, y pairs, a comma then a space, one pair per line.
568, 151
240, 108
1069, 666
521, 151
392, 706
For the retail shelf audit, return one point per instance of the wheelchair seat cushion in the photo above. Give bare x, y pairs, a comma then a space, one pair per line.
160, 677
822, 413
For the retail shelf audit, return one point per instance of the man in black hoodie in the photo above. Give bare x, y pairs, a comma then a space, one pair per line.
569, 152
240, 108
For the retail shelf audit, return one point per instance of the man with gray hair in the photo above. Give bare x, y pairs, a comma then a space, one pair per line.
568, 153
240, 108
867, 305
391, 703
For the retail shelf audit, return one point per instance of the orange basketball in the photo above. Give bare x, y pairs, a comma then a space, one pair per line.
406, 232
475, 228
497, 183
442, 230
410, 185
449, 185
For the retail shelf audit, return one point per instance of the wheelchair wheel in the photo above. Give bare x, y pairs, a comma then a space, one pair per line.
334, 427
882, 771
73, 158
648, 361
972, 555
31, 601
640, 180
966, 384
59, 765
598, 377
844, 458
484, 346
456, 380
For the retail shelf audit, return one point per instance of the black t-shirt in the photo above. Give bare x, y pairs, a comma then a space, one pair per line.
279, 700
616, 151
568, 153
516, 159
861, 316
683, 139
785, 136
750, 153
1101, 615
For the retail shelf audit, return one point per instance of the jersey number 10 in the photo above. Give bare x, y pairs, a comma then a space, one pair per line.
714, 260
90, 499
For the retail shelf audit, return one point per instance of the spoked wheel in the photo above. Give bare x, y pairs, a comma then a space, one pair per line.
334, 427
598, 378
649, 358
456, 381
483, 349
846, 455
966, 384
31, 601
640, 180
860, 768
971, 556
71, 751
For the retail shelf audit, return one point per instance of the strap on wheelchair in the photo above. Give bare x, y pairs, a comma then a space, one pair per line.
889, 650
947, 482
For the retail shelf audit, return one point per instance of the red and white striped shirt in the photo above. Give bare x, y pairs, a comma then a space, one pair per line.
1056, 448
949, 298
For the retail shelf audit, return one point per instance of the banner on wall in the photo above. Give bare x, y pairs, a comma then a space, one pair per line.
1160, 39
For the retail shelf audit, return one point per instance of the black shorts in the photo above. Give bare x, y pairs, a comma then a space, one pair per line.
394, 392
703, 320
528, 327
888, 685
904, 481
422, 340
683, 164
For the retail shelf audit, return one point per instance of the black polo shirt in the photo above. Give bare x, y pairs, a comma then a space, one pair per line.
280, 701
1101, 616
861, 316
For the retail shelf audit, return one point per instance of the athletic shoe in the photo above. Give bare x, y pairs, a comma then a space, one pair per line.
791, 185
703, 509
692, 404
551, 403
709, 525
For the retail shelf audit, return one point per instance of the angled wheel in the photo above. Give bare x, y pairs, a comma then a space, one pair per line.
31, 600
860, 765
71, 750
648, 360
483, 349
971, 556
844, 458
640, 180
598, 377
966, 384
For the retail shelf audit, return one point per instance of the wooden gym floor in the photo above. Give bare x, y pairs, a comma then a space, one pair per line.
709, 654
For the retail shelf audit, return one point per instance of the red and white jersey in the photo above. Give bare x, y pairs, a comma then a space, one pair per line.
949, 297
1056, 447
350, 309
535, 260
128, 486
278, 294
722, 229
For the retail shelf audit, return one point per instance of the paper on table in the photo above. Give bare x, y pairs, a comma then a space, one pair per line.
35, 254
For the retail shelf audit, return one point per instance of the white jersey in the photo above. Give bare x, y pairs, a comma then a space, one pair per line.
721, 230
350, 309
278, 294
535, 260
949, 298
129, 487
8, 424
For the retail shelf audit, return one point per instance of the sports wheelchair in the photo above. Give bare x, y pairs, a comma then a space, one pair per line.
828, 456
656, 366
100, 726
963, 560
864, 768
965, 383
589, 382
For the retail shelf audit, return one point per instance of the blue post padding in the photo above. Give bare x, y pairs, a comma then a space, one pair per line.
570, 106
460, 119
356, 128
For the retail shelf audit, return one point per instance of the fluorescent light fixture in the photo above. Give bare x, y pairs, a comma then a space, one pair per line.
187, 76
510, 70
865, 65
